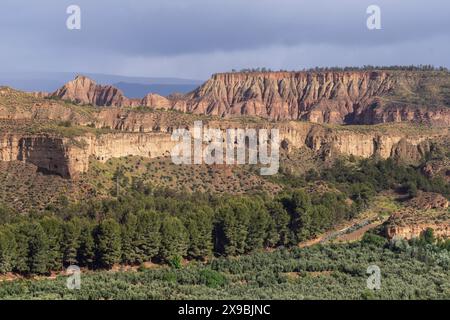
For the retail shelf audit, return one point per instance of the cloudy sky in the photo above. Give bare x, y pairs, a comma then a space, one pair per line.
195, 38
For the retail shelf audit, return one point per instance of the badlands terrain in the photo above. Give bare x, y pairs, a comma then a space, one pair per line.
368, 150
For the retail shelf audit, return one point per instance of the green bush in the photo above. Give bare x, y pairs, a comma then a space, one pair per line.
212, 278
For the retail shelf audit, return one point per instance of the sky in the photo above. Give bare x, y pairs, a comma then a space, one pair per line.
196, 38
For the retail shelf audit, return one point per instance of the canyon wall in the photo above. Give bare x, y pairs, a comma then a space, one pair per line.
341, 97
69, 157
357, 97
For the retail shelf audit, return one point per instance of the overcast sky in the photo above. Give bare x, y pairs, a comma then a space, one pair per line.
195, 38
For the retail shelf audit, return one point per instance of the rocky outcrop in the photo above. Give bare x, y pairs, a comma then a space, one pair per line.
428, 200
83, 90
48, 154
156, 101
411, 223
317, 97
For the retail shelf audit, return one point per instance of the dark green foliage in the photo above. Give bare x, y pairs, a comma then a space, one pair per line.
32, 248
174, 239
371, 176
147, 236
259, 221
411, 189
373, 239
108, 249
162, 225
278, 230
232, 229
427, 236
212, 278
8, 249
70, 243
129, 235
53, 228
318, 272
86, 248
199, 225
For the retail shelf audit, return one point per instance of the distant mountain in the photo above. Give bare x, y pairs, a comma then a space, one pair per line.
134, 87
137, 90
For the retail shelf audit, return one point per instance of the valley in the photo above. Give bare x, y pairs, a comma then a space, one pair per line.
86, 178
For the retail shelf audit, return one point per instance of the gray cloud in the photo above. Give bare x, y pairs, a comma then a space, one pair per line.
193, 38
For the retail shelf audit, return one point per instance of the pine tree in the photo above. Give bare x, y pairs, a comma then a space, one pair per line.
258, 224
128, 234
174, 239
108, 243
147, 239
8, 248
86, 248
32, 249
278, 228
71, 236
301, 203
54, 230
199, 226
232, 229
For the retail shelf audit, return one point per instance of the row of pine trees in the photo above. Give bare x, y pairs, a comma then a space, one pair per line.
132, 232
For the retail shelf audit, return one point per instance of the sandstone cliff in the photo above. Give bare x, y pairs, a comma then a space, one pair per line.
354, 97
85, 91
148, 135
60, 137
358, 97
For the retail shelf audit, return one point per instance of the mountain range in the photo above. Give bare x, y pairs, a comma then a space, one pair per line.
335, 97
133, 87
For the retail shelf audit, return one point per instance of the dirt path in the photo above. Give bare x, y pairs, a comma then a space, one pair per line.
350, 231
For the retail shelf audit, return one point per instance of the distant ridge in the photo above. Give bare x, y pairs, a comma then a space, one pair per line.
132, 87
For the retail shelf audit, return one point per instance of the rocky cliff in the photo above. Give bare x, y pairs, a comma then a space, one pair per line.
358, 97
354, 97
85, 91
60, 137
149, 136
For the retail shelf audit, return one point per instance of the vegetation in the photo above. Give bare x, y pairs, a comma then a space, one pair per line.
356, 68
360, 180
409, 270
161, 225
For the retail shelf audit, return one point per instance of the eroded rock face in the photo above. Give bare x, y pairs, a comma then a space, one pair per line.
85, 91
70, 157
354, 97
316, 97
320, 97
145, 134
49, 154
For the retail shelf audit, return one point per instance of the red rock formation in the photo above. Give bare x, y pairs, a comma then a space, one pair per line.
321, 97
354, 97
85, 91
156, 101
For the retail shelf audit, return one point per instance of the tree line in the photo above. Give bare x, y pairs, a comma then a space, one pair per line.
421, 67
162, 226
